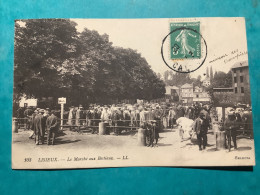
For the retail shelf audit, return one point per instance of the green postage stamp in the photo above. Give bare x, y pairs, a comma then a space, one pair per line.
185, 40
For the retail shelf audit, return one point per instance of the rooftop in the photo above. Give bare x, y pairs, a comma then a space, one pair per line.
223, 88
187, 85
240, 64
172, 87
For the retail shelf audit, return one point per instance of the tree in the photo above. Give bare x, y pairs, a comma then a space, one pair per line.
215, 74
41, 46
207, 72
222, 79
197, 81
52, 59
137, 78
211, 74
166, 75
98, 51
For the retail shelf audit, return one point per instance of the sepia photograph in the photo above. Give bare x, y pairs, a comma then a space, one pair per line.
91, 93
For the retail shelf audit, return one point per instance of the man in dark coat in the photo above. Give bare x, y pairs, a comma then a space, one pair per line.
149, 134
27, 114
32, 123
38, 128
207, 120
231, 126
89, 117
52, 128
155, 132
191, 112
180, 111
247, 122
200, 127
196, 110
152, 133
20, 116
45, 115
95, 119
117, 120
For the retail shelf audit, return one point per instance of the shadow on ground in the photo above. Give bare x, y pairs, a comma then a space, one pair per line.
59, 141
167, 130
162, 144
244, 148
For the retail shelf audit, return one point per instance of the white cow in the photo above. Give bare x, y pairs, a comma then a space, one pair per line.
185, 127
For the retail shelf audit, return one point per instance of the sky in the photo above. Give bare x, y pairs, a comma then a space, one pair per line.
225, 39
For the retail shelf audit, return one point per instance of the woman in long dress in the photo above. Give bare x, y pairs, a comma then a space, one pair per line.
183, 39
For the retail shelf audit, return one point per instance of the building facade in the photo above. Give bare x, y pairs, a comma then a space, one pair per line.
240, 82
187, 94
200, 95
206, 82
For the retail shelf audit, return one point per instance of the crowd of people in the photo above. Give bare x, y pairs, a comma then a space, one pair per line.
153, 117
124, 117
42, 122
133, 115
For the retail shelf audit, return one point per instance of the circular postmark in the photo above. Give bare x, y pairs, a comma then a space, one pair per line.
182, 57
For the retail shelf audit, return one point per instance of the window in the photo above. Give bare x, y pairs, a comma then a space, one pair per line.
241, 79
235, 89
197, 96
234, 70
235, 79
242, 90
241, 70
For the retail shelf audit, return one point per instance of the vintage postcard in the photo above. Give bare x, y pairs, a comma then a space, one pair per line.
92, 93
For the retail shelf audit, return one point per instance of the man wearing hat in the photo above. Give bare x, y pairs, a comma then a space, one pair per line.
38, 128
45, 115
35, 113
247, 122
79, 115
207, 120
52, 128
116, 118
149, 133
152, 133
88, 114
126, 117
200, 127
155, 131
230, 126
27, 114
171, 117
105, 116
94, 120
